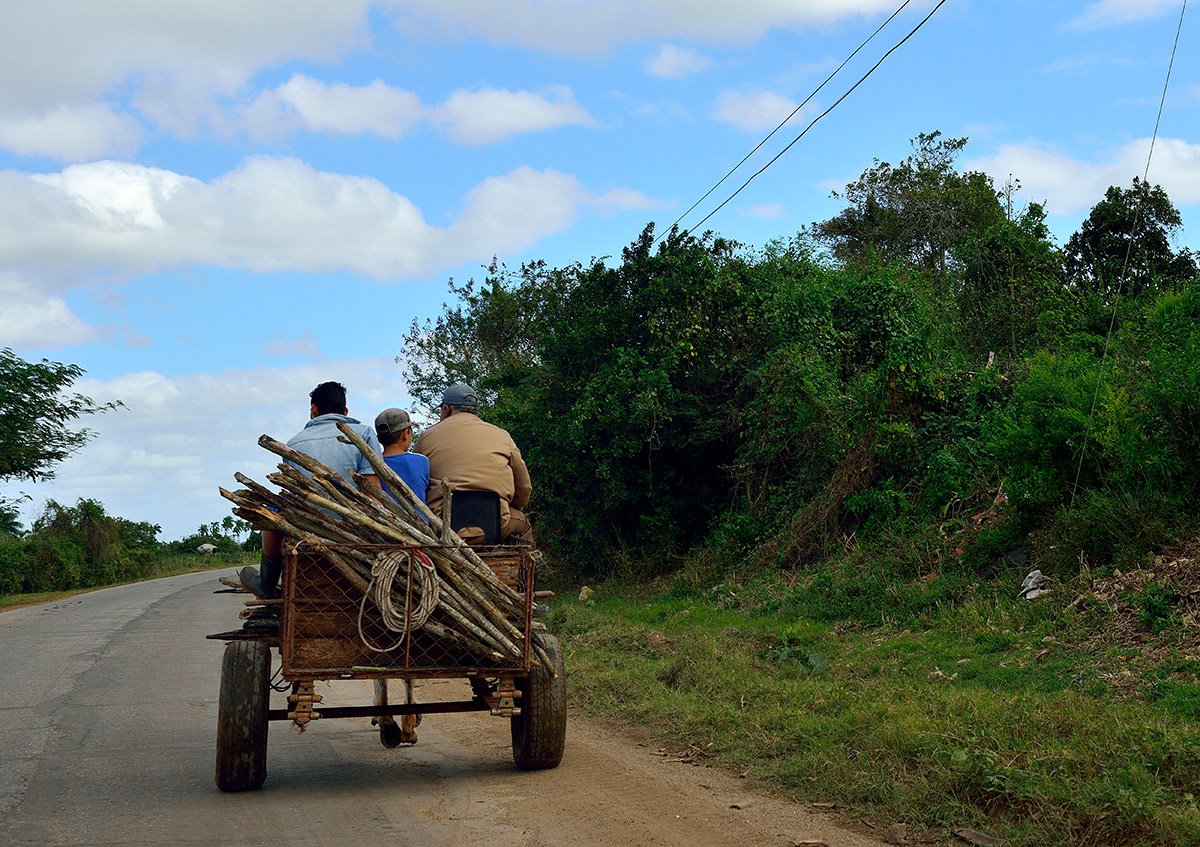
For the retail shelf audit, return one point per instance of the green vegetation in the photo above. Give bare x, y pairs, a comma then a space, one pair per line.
1003, 716
34, 414
81, 546
844, 451
925, 357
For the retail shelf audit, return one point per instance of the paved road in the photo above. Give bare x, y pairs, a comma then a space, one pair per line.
107, 737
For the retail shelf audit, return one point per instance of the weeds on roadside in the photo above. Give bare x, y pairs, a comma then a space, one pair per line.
991, 712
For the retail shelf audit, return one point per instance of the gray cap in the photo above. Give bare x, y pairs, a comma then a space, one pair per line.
461, 397
391, 421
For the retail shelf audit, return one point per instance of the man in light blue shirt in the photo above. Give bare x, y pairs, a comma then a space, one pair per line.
318, 439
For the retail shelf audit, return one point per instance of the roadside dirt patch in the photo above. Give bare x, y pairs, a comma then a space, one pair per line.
618, 786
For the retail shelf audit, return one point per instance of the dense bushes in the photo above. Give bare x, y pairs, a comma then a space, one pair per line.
76, 547
939, 401
82, 546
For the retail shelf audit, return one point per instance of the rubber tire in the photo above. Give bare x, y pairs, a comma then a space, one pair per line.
539, 733
242, 716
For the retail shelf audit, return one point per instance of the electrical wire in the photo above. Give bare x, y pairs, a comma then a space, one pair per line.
793, 113
1137, 219
814, 121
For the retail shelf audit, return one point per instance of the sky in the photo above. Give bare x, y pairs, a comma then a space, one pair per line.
213, 207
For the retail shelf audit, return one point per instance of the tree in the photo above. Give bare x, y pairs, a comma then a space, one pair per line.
1011, 284
490, 338
1124, 245
35, 415
919, 211
10, 520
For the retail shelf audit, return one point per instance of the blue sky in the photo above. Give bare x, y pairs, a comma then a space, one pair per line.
213, 207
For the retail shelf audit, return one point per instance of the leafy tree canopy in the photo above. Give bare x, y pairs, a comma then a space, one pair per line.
694, 400
35, 415
1124, 245
919, 211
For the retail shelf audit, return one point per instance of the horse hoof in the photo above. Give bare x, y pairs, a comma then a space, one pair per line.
391, 736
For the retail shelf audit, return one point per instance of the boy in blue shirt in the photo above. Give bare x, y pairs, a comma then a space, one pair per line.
394, 428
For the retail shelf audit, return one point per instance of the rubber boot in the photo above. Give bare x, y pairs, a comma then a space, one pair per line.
264, 581
271, 571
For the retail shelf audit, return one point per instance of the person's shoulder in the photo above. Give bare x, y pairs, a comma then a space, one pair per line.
432, 433
475, 420
302, 435
498, 430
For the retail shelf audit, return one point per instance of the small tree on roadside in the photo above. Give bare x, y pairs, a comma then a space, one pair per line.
36, 414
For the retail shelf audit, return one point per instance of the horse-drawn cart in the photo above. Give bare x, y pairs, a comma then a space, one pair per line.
332, 629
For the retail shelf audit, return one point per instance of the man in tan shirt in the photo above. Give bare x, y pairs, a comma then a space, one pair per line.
477, 456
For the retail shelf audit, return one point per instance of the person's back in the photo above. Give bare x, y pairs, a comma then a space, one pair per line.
320, 440
477, 456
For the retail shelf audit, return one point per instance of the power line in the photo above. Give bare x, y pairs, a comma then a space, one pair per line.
807, 99
1137, 219
814, 121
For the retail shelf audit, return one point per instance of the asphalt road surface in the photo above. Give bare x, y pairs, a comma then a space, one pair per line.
108, 728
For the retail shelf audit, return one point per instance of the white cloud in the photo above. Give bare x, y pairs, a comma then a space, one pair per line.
753, 111
340, 109
492, 114
469, 117
676, 62
548, 202
73, 54
766, 211
591, 28
177, 61
33, 318
1114, 12
72, 134
304, 345
270, 214
624, 200
146, 462
1071, 185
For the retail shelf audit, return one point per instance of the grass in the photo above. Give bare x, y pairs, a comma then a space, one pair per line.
1013, 718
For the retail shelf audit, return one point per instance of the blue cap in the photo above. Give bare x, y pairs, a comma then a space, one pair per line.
461, 397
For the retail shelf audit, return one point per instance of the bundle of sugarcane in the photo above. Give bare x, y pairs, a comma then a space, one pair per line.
473, 609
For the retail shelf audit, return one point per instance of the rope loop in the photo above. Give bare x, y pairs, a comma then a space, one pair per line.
420, 599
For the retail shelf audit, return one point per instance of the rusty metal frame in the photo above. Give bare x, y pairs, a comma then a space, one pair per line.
400, 663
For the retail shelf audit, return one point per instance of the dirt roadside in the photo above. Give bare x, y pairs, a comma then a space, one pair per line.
614, 788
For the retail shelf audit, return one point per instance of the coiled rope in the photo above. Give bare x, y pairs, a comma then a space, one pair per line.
422, 596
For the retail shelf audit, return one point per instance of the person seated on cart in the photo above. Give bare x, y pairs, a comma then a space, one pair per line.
394, 428
319, 439
477, 456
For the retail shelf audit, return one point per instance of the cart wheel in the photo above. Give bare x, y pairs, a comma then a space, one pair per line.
242, 716
539, 733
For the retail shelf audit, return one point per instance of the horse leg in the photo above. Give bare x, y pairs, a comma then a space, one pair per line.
408, 723
389, 732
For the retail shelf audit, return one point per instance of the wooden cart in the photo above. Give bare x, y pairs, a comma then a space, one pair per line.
330, 631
